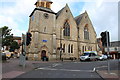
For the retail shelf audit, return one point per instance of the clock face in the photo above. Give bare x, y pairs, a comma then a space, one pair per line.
46, 15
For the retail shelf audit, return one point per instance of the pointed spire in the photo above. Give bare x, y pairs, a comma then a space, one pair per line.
86, 12
66, 5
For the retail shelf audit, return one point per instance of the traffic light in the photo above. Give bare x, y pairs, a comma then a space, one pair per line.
104, 37
28, 38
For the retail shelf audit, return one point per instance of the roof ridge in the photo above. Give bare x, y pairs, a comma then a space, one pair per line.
79, 18
58, 13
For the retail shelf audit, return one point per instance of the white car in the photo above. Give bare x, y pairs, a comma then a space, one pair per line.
103, 57
89, 56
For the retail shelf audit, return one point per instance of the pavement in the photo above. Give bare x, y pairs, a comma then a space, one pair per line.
111, 73
11, 69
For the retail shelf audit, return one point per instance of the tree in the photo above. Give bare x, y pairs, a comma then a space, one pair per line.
7, 37
14, 45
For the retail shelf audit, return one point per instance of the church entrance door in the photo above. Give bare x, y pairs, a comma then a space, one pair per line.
43, 56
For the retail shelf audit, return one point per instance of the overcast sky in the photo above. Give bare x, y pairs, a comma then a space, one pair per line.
103, 14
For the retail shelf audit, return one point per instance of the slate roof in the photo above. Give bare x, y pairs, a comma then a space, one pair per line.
42, 9
58, 13
78, 18
46, 9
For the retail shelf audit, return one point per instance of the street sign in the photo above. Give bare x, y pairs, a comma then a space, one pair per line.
44, 40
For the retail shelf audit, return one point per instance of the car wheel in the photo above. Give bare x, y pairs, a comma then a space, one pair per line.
96, 59
81, 60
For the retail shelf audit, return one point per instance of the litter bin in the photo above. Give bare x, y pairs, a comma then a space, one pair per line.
3, 56
44, 58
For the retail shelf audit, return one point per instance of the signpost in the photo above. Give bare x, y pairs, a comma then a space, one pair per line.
26, 40
23, 55
107, 37
106, 43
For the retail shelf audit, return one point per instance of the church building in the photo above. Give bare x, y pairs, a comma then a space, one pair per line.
59, 35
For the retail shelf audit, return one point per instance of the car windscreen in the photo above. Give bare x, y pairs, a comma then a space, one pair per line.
85, 54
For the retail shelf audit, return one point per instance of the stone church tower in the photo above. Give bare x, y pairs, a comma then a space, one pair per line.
42, 28
59, 35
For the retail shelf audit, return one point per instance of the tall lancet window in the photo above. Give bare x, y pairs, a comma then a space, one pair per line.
86, 32
66, 31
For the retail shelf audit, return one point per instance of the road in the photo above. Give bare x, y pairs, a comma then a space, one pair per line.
69, 69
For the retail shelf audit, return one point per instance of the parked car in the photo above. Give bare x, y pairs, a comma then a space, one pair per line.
8, 54
109, 57
89, 55
103, 57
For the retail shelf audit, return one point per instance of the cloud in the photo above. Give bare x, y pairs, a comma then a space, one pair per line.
14, 14
104, 16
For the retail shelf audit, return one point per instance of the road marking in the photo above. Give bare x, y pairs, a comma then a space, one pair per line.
64, 70
56, 64
100, 66
94, 69
89, 61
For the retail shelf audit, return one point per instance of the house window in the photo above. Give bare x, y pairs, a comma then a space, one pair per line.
66, 31
86, 32
64, 48
69, 48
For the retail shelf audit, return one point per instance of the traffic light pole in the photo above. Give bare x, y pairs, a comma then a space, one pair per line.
24, 51
23, 55
108, 52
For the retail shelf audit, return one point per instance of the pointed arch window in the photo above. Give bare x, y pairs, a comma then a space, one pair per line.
86, 32
69, 48
83, 48
89, 48
66, 31
64, 48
